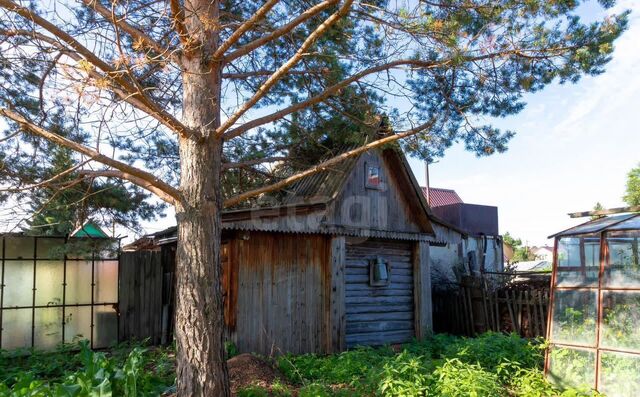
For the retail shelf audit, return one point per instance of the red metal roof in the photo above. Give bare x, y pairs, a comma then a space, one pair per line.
439, 197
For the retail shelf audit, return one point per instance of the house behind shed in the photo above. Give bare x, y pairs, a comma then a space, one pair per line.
339, 259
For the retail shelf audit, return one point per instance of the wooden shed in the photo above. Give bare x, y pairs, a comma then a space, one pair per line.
339, 259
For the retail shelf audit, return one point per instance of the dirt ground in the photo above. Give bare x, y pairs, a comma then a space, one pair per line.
246, 370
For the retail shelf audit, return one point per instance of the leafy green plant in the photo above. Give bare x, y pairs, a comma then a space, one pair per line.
620, 324
571, 368
128, 373
231, 349
456, 378
620, 374
575, 325
253, 391
405, 375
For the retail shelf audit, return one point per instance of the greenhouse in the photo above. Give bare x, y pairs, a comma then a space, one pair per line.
595, 318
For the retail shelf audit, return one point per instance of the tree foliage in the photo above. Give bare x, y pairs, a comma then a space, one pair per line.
632, 194
521, 253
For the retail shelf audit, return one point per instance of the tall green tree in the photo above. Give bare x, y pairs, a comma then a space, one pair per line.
175, 96
632, 194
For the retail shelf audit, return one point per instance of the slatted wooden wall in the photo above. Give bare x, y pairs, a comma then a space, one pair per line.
140, 296
282, 305
379, 315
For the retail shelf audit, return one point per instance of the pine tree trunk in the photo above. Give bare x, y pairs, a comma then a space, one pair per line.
199, 323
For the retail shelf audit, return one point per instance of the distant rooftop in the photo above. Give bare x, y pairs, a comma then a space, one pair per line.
472, 218
439, 197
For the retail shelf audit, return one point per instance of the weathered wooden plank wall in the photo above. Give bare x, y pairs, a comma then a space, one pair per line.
336, 296
382, 209
422, 289
140, 306
379, 315
281, 305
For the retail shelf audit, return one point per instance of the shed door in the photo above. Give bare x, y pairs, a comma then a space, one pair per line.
377, 315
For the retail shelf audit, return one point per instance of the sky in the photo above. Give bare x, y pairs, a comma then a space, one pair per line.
574, 146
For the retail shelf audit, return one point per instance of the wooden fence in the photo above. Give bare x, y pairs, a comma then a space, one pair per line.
145, 300
478, 305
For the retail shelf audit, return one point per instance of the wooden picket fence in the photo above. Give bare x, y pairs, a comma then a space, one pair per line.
488, 303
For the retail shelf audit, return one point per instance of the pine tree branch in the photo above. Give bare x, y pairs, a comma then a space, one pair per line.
248, 163
177, 14
326, 164
277, 76
326, 94
134, 175
132, 31
415, 63
113, 87
310, 13
114, 75
45, 182
258, 73
244, 27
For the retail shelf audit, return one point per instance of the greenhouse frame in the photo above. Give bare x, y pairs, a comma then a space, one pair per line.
56, 290
594, 327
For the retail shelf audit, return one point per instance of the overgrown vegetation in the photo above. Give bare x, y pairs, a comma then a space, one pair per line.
125, 371
490, 365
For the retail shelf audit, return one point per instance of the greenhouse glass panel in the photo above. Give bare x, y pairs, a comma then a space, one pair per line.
572, 368
50, 248
48, 328
620, 328
18, 247
619, 374
49, 280
574, 317
18, 283
623, 268
106, 326
578, 261
16, 329
77, 324
106, 277
78, 282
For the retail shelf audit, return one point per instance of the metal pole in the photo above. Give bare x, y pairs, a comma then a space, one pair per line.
118, 294
93, 284
604, 257
2, 288
64, 287
552, 288
33, 308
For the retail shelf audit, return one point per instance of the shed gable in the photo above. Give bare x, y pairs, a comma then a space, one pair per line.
378, 196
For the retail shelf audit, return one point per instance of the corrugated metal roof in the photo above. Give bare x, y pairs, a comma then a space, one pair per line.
440, 197
602, 224
320, 187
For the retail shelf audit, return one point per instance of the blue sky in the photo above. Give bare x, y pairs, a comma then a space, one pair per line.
574, 147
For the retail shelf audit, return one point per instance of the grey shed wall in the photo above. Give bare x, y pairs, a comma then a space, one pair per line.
379, 315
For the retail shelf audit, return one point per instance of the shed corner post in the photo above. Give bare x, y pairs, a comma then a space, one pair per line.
336, 328
422, 290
